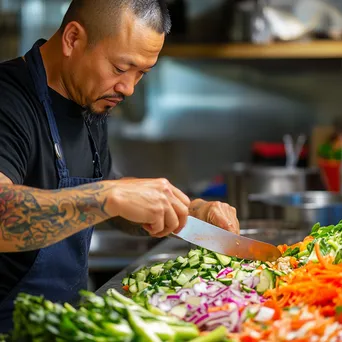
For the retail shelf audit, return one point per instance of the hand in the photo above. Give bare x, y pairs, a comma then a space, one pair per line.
217, 213
160, 207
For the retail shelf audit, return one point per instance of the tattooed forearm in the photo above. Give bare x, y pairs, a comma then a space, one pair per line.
32, 218
127, 227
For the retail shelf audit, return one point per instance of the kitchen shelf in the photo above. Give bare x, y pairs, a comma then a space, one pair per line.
291, 50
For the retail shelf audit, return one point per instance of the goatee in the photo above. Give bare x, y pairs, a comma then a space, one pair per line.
90, 116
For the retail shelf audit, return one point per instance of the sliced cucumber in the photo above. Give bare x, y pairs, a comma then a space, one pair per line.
184, 264
186, 275
246, 288
133, 288
266, 281
194, 260
131, 282
235, 264
142, 285
140, 276
206, 266
180, 259
194, 252
125, 281
157, 269
168, 265
223, 259
225, 281
192, 282
163, 289
213, 274
242, 275
209, 260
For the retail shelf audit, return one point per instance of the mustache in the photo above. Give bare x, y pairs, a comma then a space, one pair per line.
119, 97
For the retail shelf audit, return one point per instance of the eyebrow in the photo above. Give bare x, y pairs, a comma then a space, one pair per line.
129, 62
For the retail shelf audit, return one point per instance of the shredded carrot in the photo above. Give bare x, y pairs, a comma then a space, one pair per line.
219, 308
315, 284
282, 248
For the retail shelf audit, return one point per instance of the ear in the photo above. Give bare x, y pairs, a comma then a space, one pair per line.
74, 36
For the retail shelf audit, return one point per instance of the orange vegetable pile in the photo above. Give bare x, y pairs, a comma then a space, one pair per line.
315, 284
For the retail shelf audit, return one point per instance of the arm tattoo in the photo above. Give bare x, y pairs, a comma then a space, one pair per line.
127, 227
32, 218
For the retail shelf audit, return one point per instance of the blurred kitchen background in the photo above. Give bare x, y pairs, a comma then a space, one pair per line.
243, 94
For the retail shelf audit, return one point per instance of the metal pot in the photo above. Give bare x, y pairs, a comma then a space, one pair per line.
301, 208
244, 179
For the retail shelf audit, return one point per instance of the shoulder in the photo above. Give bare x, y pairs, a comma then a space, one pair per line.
17, 95
15, 80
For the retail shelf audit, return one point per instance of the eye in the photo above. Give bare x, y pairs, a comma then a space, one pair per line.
120, 71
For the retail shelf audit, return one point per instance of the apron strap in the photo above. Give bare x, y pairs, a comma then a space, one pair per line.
96, 161
36, 68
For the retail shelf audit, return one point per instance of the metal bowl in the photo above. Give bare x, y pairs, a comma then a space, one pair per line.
244, 179
302, 208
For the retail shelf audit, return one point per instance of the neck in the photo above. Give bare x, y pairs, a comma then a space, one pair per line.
51, 53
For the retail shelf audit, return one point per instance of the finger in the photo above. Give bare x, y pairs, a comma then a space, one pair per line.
181, 211
237, 226
181, 196
156, 226
223, 217
180, 227
235, 220
171, 220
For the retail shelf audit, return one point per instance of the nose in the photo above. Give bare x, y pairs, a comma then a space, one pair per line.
125, 86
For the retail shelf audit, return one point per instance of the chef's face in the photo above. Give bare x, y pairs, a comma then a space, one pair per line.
101, 75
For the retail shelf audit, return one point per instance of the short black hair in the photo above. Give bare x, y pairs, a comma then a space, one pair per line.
101, 17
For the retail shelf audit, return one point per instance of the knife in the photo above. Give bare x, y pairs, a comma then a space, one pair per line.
221, 241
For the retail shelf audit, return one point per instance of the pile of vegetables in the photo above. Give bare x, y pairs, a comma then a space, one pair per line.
111, 318
200, 264
330, 244
305, 306
300, 324
213, 290
206, 297
211, 304
315, 284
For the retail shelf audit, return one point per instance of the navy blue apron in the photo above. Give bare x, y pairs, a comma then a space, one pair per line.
61, 270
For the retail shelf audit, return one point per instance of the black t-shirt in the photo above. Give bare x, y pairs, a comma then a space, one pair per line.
27, 153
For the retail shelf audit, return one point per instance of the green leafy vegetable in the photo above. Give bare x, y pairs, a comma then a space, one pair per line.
111, 318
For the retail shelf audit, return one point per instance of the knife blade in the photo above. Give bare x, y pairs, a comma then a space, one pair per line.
221, 241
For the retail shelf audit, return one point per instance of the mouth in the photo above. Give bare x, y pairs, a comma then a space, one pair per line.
113, 102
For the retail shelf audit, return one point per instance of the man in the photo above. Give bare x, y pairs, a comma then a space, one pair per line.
55, 178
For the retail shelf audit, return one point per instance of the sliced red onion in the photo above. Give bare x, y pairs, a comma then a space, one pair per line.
195, 304
251, 282
173, 296
224, 272
248, 267
205, 319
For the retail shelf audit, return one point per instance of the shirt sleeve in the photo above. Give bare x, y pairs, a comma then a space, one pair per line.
15, 142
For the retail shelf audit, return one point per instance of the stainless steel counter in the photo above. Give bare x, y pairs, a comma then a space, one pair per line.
167, 249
